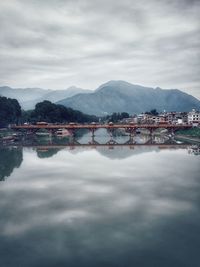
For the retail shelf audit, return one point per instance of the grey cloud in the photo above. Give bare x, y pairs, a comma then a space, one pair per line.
88, 42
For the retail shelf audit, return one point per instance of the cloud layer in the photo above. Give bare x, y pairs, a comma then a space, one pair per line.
57, 43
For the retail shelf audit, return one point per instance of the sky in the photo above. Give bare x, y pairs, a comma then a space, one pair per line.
58, 43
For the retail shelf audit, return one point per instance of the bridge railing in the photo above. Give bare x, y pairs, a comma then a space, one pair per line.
98, 126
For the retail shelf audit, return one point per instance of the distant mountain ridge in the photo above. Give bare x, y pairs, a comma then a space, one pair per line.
28, 97
113, 96
120, 96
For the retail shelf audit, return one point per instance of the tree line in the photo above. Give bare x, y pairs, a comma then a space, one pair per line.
50, 112
115, 117
11, 112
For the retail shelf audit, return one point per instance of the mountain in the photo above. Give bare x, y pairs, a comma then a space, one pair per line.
120, 96
113, 96
28, 97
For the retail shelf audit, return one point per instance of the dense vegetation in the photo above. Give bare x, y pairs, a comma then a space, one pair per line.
10, 111
115, 117
195, 132
49, 112
153, 112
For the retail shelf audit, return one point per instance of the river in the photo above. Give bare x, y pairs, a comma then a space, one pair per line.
99, 207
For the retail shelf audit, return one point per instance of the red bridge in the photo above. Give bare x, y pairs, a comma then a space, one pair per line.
131, 129
72, 127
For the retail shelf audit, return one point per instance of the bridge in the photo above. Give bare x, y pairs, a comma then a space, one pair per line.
130, 128
95, 126
96, 146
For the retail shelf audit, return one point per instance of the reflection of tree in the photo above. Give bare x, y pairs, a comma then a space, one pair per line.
10, 158
47, 153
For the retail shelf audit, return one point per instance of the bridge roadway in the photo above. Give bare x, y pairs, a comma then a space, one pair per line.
94, 127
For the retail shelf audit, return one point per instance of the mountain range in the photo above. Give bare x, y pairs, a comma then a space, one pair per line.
28, 97
120, 96
113, 96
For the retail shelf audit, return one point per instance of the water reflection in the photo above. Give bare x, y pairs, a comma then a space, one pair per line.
100, 136
10, 158
101, 207
46, 152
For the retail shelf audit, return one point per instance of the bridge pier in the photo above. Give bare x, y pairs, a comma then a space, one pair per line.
151, 136
72, 132
92, 130
30, 132
111, 141
151, 131
52, 132
149, 141
171, 133
73, 141
131, 140
93, 141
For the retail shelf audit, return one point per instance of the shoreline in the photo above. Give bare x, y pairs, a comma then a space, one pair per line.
188, 138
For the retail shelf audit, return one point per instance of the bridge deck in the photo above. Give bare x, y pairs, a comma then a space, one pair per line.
101, 126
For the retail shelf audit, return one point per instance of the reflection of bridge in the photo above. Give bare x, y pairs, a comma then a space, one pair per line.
131, 129
73, 146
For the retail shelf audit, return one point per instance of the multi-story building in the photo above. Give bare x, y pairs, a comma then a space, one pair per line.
194, 117
176, 117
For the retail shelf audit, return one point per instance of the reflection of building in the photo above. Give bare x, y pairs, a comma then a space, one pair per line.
194, 117
194, 150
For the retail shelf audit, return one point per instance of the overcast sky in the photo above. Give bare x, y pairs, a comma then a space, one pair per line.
58, 43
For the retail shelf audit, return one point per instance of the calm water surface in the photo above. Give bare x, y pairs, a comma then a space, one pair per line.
100, 207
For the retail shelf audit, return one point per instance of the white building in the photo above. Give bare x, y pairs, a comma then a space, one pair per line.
194, 117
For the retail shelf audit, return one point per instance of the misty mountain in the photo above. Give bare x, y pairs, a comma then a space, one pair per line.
120, 96
28, 97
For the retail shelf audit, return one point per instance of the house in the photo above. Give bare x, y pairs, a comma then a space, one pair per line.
194, 117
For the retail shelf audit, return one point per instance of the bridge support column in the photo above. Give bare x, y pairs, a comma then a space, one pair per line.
30, 133
93, 141
51, 132
172, 131
72, 132
171, 134
131, 136
111, 141
72, 135
151, 136
92, 132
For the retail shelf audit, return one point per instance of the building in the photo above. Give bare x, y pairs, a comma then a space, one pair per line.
194, 117
176, 117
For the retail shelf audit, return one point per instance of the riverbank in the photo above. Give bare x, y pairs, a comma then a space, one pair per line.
187, 138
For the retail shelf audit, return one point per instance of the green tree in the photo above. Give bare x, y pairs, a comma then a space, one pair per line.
50, 112
152, 112
10, 111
